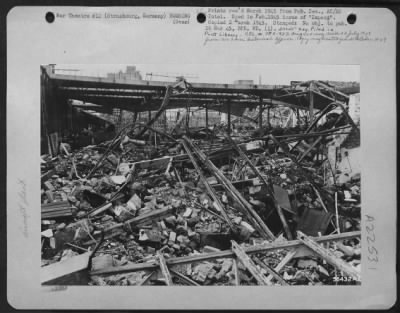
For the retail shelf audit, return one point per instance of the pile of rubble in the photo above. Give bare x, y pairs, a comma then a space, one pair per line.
225, 215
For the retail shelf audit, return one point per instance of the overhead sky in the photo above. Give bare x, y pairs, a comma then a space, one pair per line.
269, 74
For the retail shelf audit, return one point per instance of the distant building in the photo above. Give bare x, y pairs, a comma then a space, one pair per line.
130, 74
244, 82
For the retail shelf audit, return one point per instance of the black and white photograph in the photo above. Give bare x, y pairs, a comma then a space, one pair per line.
205, 178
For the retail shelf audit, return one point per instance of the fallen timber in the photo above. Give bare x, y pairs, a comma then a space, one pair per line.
271, 271
267, 185
247, 208
56, 210
248, 263
207, 185
176, 205
136, 221
164, 269
329, 256
224, 254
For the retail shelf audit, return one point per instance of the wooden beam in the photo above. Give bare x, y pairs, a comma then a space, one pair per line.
246, 207
283, 263
236, 272
264, 181
272, 246
146, 278
249, 264
144, 218
164, 269
184, 278
151, 216
103, 208
328, 256
56, 209
210, 190
272, 272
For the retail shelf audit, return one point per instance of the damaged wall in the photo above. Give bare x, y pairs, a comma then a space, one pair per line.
354, 108
344, 153
349, 165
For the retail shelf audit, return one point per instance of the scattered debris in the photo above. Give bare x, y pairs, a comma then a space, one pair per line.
185, 210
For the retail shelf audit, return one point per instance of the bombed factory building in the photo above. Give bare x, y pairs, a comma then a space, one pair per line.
159, 179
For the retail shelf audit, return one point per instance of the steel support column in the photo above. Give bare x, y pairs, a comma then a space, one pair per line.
260, 119
229, 118
311, 107
207, 120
